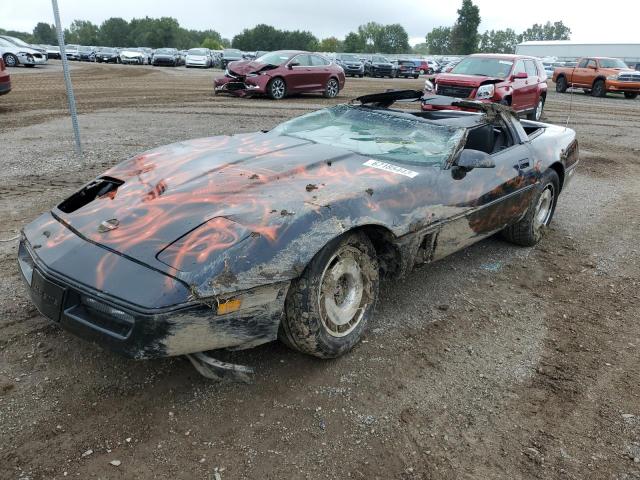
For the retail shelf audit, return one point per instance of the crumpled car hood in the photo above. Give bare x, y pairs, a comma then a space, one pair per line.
466, 80
261, 182
245, 68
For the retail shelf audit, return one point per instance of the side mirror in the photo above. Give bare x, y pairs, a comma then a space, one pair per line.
292, 64
519, 75
470, 159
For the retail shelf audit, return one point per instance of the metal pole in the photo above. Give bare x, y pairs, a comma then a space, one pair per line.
67, 78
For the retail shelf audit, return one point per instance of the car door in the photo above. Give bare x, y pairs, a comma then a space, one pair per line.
519, 86
298, 75
582, 73
319, 72
486, 200
531, 84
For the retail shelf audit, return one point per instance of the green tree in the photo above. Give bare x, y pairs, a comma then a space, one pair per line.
83, 32
498, 41
371, 34
464, 33
331, 44
421, 49
438, 41
353, 43
548, 31
211, 44
44, 33
392, 39
114, 32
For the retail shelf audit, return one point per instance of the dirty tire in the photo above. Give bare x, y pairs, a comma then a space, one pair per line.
536, 114
332, 88
344, 267
630, 95
277, 88
530, 230
599, 89
10, 60
561, 85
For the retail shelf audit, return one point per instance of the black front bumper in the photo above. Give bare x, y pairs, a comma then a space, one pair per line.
144, 333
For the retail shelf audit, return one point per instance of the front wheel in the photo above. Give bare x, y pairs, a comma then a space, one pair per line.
332, 88
10, 60
277, 88
599, 89
630, 95
530, 230
327, 308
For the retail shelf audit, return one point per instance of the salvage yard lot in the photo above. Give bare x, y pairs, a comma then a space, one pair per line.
498, 362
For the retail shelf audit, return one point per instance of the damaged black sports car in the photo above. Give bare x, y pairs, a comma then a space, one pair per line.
234, 241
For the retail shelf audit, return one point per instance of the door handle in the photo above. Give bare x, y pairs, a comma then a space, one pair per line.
524, 163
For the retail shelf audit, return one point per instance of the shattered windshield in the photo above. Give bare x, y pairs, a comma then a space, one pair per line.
376, 133
484, 66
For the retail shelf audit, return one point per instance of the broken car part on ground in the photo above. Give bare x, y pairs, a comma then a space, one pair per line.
234, 241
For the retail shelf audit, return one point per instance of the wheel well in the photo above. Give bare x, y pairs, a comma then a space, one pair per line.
384, 241
544, 96
596, 79
507, 99
559, 169
560, 76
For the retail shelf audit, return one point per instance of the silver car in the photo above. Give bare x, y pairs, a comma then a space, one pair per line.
14, 55
199, 57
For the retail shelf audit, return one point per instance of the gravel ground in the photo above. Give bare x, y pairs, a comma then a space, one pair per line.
498, 362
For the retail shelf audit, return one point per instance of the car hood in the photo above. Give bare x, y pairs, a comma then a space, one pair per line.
252, 184
244, 67
130, 53
466, 80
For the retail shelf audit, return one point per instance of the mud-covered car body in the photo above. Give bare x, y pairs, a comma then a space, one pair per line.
192, 246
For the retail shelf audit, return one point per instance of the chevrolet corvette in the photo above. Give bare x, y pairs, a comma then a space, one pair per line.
229, 242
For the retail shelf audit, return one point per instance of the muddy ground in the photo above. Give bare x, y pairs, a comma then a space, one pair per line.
498, 362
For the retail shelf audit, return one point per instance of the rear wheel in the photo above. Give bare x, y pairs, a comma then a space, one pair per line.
332, 88
630, 95
277, 88
530, 230
599, 89
536, 114
561, 85
327, 308
10, 60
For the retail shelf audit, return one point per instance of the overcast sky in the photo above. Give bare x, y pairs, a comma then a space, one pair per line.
338, 17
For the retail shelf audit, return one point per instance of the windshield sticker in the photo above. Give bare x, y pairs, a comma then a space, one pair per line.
388, 167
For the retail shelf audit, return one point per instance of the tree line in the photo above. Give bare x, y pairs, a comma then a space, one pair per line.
461, 38
118, 32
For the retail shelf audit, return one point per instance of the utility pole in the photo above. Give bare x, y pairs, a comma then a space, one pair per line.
67, 78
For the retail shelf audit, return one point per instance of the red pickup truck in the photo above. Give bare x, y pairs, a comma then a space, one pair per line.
515, 80
5, 79
598, 76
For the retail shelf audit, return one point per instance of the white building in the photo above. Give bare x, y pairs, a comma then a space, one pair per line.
565, 50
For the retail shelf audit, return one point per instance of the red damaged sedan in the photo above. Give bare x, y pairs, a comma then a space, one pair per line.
281, 73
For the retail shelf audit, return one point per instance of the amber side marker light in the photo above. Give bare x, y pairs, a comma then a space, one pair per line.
229, 306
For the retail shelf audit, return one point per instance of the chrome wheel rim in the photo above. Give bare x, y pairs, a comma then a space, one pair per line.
277, 88
332, 88
343, 295
544, 208
10, 60
539, 109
